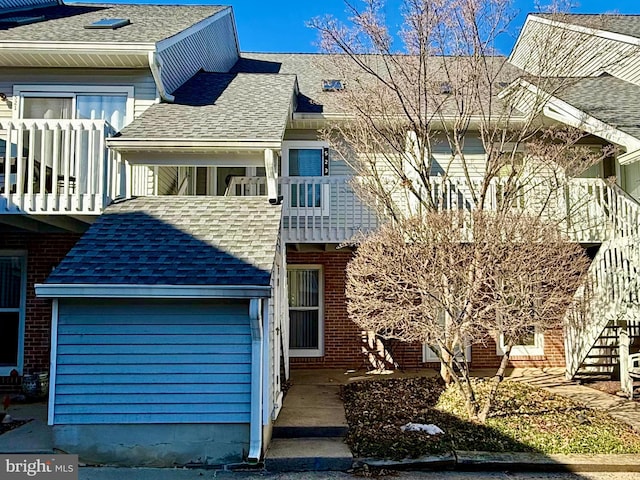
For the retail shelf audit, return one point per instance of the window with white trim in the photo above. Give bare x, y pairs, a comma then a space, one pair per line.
12, 308
306, 292
530, 343
303, 161
111, 103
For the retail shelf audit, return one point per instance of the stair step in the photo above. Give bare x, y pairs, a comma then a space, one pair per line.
308, 454
602, 356
309, 432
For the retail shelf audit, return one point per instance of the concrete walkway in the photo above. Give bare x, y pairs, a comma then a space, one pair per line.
31, 438
622, 409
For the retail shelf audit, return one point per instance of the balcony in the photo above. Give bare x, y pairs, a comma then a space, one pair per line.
326, 209
57, 167
315, 209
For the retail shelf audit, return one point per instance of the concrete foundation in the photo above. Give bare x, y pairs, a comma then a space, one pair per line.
154, 445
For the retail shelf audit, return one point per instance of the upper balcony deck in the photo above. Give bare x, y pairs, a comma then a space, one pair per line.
57, 167
63, 167
327, 209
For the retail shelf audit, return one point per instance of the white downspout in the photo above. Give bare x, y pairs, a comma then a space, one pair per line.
255, 427
155, 64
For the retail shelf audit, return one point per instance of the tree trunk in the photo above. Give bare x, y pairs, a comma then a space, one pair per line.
497, 379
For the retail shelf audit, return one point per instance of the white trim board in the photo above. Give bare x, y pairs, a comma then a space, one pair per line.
151, 291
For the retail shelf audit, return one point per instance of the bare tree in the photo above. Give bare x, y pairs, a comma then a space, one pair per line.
443, 126
421, 280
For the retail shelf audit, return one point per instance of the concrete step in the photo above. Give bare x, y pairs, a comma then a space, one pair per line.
286, 431
308, 454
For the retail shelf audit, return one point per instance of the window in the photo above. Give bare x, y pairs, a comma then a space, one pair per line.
529, 344
12, 301
111, 103
307, 160
305, 311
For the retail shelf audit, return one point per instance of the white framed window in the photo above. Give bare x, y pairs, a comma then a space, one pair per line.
306, 316
114, 104
429, 355
528, 345
13, 287
306, 159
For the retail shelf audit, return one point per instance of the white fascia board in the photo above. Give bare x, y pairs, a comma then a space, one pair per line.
336, 117
529, 19
617, 37
566, 113
151, 291
193, 29
629, 157
24, 46
146, 144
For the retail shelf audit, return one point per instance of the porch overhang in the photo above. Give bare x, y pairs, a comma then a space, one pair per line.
152, 291
567, 114
121, 144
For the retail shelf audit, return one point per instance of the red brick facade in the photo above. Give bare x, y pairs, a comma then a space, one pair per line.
343, 340
43, 252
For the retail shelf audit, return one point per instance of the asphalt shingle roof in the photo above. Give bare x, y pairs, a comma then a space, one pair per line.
607, 98
221, 106
312, 69
65, 23
176, 241
615, 23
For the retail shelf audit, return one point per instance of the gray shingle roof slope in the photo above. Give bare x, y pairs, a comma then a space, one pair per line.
176, 241
607, 98
220, 106
312, 69
615, 23
65, 23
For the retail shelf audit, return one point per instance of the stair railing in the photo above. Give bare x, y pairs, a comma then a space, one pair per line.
611, 290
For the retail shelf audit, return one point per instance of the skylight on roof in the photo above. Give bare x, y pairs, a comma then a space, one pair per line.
333, 85
109, 23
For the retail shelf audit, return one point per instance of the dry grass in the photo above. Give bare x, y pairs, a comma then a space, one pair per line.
524, 419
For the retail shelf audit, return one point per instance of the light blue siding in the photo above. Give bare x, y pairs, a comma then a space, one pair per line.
212, 49
153, 361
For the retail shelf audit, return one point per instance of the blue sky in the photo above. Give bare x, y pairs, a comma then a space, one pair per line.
280, 25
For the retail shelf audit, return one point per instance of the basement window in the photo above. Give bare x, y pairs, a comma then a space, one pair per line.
109, 23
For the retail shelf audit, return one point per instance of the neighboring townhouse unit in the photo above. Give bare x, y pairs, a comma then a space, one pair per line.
195, 219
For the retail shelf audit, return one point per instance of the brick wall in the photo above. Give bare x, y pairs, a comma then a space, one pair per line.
485, 356
343, 340
44, 252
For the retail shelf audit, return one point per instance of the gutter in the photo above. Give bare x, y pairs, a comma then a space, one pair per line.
170, 144
47, 290
255, 426
629, 157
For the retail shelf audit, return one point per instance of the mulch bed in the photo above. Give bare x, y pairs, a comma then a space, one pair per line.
524, 419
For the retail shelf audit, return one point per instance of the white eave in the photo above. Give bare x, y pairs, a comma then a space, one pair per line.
565, 113
181, 144
46, 290
75, 54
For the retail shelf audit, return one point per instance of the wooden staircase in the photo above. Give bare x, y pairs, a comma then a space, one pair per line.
610, 298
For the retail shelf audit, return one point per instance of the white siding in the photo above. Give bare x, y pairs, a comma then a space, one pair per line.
152, 361
552, 51
144, 87
212, 49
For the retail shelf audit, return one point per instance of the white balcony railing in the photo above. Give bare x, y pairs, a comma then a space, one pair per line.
315, 209
57, 167
326, 209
